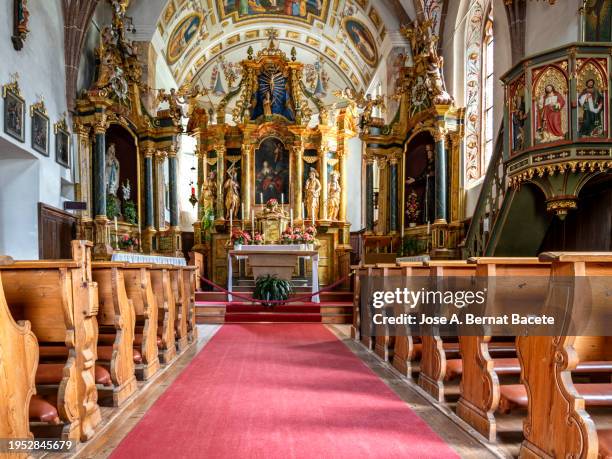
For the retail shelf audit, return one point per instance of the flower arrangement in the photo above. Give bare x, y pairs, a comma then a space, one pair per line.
127, 242
258, 239
240, 237
272, 203
412, 208
298, 235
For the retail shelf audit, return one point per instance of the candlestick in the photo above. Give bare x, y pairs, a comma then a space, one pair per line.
242, 215
261, 197
253, 222
290, 218
231, 221
282, 199
313, 214
116, 233
303, 211
428, 228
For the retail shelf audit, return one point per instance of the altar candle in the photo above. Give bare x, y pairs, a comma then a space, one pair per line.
253, 222
290, 218
261, 197
313, 214
231, 221
428, 228
282, 199
116, 231
242, 215
303, 211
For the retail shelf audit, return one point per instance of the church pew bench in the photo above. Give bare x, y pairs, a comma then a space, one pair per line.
478, 368
558, 423
190, 278
139, 289
19, 360
362, 307
60, 300
406, 348
166, 310
356, 324
436, 350
116, 317
182, 308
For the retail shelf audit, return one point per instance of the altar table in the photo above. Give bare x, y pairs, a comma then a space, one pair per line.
276, 260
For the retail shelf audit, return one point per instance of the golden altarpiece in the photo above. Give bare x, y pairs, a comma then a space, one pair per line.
269, 157
127, 165
413, 193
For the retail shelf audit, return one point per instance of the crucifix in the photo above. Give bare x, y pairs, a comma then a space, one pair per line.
272, 35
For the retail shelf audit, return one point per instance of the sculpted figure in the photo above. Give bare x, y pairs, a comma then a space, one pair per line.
313, 194
208, 194
232, 194
333, 196
112, 170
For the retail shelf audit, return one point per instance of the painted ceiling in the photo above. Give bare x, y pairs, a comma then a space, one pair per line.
340, 41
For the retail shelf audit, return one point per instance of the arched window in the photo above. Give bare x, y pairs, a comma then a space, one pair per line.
488, 88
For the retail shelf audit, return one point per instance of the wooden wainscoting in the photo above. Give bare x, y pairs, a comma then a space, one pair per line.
56, 230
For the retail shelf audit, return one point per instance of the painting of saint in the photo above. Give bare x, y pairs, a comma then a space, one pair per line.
182, 35
40, 132
551, 121
591, 103
14, 109
271, 171
300, 9
518, 116
362, 40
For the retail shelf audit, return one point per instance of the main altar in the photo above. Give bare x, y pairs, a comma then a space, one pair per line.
270, 171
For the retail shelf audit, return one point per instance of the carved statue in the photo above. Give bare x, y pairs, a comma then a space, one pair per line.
333, 196
426, 61
208, 193
21, 20
365, 102
112, 170
427, 179
232, 194
126, 190
313, 193
267, 104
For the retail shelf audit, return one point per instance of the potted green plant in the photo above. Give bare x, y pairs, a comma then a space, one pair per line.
271, 288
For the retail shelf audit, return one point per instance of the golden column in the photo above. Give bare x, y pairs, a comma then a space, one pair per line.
220, 149
323, 174
298, 154
202, 156
247, 186
341, 153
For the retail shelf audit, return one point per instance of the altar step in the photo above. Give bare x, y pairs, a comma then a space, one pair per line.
342, 296
221, 311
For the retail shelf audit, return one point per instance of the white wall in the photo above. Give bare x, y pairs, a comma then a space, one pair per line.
26, 176
550, 26
353, 182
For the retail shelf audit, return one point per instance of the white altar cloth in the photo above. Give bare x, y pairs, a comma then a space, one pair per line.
242, 252
143, 258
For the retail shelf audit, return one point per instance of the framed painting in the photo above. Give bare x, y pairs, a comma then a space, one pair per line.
304, 10
362, 40
62, 144
271, 171
182, 36
14, 110
40, 128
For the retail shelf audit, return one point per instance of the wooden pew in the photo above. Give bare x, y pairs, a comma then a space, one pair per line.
60, 300
480, 386
384, 343
18, 363
116, 318
166, 307
196, 260
557, 423
434, 349
182, 308
355, 327
407, 349
139, 289
364, 308
190, 277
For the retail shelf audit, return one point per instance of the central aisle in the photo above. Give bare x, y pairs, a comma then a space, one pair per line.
280, 391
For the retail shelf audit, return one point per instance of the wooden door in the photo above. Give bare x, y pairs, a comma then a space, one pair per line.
56, 230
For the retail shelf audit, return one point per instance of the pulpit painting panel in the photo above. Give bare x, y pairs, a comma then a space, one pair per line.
592, 88
271, 171
550, 107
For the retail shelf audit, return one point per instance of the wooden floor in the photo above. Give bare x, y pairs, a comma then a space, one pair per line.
117, 423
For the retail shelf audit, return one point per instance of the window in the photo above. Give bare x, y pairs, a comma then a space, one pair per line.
488, 80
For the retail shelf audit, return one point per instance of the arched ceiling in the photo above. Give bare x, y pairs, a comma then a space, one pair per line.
347, 38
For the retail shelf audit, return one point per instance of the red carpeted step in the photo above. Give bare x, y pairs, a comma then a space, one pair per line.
273, 317
296, 309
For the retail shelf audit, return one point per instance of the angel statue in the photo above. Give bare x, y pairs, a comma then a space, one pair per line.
364, 102
232, 194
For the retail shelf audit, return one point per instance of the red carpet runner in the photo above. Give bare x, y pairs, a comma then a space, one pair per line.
280, 391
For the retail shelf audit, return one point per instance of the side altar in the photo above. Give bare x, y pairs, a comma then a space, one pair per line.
271, 154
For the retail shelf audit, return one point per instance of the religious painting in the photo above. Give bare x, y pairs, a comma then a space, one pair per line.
592, 88
597, 20
518, 114
419, 185
297, 9
396, 61
182, 36
361, 39
374, 17
14, 109
169, 13
273, 95
271, 171
40, 129
62, 144
550, 107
